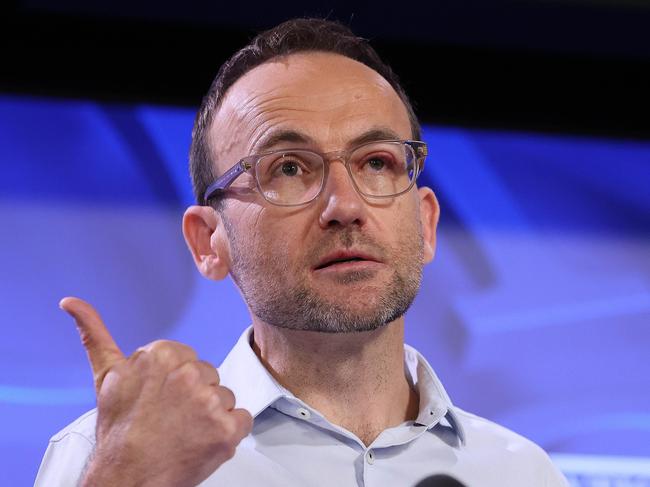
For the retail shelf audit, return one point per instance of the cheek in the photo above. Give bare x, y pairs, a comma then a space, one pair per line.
402, 217
406, 228
271, 243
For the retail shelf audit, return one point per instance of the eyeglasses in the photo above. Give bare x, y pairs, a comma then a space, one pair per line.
292, 177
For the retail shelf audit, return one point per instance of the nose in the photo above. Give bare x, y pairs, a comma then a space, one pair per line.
341, 204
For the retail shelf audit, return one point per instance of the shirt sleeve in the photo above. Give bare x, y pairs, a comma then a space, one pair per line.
64, 461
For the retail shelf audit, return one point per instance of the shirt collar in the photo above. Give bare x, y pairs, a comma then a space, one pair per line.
435, 404
243, 373
256, 389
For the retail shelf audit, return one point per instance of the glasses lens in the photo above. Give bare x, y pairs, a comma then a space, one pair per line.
290, 178
383, 168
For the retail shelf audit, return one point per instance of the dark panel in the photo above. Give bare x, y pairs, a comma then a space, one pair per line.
508, 85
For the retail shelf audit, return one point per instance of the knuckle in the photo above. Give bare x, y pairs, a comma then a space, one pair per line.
141, 358
87, 339
169, 351
117, 385
230, 431
245, 423
110, 382
188, 374
210, 371
162, 350
213, 404
227, 395
119, 369
114, 378
207, 405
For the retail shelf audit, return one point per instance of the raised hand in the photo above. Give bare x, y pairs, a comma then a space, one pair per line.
163, 419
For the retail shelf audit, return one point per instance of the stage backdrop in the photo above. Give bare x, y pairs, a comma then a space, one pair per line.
535, 312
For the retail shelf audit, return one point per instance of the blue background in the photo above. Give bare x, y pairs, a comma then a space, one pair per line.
535, 312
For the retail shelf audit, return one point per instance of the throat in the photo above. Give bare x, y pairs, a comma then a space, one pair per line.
367, 418
356, 380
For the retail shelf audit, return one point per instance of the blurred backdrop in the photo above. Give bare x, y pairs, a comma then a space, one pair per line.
536, 311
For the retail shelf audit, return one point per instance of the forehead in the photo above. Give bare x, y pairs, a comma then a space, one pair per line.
330, 98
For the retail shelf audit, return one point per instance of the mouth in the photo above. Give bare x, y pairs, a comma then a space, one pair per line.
344, 259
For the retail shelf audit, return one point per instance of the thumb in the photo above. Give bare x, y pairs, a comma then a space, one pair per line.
103, 352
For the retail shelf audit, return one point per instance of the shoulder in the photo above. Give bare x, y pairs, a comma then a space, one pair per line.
83, 427
500, 446
481, 431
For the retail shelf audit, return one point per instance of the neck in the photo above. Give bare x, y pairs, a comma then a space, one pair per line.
366, 370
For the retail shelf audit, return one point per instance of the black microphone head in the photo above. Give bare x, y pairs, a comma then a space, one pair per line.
439, 480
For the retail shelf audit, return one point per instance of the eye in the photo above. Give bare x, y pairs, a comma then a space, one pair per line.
376, 163
289, 168
379, 163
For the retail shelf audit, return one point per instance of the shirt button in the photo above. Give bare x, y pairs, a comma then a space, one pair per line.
303, 413
370, 457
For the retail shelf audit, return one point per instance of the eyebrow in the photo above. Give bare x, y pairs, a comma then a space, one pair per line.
275, 138
372, 135
293, 136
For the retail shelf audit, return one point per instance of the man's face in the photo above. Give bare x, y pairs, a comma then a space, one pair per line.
340, 263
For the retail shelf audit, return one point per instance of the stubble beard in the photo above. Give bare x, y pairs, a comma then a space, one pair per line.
299, 306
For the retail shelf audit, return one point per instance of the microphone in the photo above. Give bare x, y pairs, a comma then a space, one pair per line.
439, 480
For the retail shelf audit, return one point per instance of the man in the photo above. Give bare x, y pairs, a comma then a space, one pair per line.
304, 159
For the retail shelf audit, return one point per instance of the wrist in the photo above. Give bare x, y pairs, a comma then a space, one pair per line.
105, 473
108, 473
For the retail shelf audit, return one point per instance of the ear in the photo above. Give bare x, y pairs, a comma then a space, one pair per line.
206, 238
429, 215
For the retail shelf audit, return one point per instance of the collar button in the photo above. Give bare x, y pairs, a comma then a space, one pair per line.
303, 413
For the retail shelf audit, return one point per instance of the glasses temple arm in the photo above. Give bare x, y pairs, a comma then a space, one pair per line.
225, 180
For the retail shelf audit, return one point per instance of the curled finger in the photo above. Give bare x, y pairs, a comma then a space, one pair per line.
244, 420
225, 396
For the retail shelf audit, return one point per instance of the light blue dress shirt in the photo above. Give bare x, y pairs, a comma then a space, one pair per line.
292, 444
